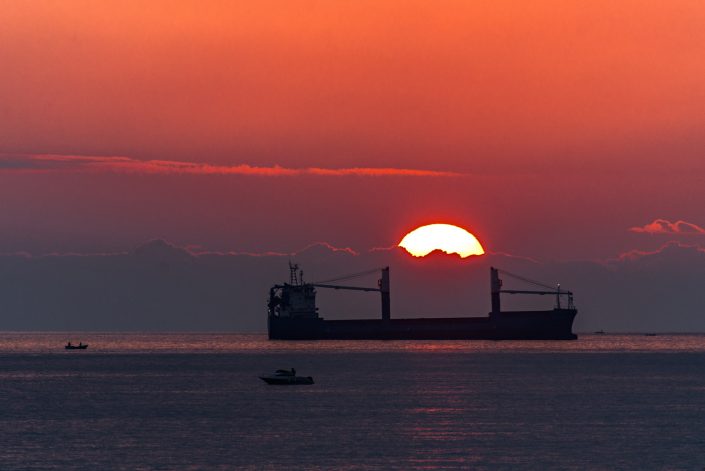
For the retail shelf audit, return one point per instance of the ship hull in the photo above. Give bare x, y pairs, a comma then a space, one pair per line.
555, 324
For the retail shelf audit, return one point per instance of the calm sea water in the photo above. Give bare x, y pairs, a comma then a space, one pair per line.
193, 401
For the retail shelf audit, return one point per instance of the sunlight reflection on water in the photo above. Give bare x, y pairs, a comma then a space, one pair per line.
115, 343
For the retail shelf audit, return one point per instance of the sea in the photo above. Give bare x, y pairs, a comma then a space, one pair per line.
146, 401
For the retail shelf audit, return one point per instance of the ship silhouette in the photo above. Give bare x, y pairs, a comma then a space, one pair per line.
293, 315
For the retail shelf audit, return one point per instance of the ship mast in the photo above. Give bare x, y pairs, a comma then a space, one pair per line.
296, 277
496, 286
495, 289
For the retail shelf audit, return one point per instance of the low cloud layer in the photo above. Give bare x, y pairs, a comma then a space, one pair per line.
162, 287
117, 164
664, 226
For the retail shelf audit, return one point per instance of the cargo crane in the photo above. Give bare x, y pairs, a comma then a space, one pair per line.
297, 299
496, 290
382, 287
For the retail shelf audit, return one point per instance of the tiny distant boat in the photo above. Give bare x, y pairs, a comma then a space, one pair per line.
650, 335
286, 377
80, 346
599, 332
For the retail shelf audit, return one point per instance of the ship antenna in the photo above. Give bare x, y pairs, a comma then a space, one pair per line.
293, 279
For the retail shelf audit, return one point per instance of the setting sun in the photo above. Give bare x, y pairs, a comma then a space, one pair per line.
445, 237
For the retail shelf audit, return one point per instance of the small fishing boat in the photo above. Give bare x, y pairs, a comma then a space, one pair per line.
599, 332
286, 377
80, 346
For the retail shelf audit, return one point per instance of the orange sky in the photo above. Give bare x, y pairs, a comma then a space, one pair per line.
606, 98
474, 85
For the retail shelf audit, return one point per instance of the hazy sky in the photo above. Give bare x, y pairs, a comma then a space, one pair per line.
554, 127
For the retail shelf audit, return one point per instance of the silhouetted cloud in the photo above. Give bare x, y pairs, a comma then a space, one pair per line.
316, 246
327, 247
671, 246
664, 226
118, 164
385, 249
509, 255
162, 286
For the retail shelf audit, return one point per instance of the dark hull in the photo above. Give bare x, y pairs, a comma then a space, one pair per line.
555, 324
76, 347
287, 381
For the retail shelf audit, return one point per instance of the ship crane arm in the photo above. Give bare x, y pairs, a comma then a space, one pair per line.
496, 289
382, 289
351, 276
554, 292
354, 288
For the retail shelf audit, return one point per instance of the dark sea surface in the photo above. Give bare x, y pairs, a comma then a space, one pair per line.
193, 401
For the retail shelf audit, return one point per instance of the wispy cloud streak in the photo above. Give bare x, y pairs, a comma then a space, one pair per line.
164, 247
43, 163
635, 254
663, 226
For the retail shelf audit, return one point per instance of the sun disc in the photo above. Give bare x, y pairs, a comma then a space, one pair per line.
445, 237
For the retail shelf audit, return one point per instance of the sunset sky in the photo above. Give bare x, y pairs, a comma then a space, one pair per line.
549, 129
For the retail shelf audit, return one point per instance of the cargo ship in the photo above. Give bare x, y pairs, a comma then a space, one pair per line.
293, 315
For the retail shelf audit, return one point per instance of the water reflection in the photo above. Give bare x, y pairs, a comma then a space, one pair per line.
130, 343
32, 342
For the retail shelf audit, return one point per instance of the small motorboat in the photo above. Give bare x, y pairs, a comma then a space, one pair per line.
599, 332
80, 346
286, 377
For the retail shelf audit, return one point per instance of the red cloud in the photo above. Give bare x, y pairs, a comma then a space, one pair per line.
663, 226
31, 163
635, 254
